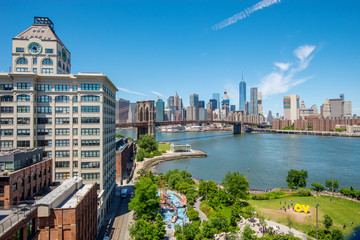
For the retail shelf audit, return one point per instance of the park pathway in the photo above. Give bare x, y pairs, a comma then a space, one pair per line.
202, 215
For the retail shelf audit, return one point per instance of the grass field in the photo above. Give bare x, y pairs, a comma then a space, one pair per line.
164, 146
342, 211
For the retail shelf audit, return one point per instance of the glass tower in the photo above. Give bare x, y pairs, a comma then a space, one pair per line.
242, 95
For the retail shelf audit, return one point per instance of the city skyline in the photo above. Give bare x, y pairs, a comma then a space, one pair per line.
297, 53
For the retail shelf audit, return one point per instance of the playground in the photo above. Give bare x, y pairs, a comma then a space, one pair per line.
173, 208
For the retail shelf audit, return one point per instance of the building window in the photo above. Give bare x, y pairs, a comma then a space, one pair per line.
22, 69
60, 154
49, 50
90, 142
62, 99
75, 131
23, 120
6, 144
6, 121
62, 142
19, 49
90, 109
75, 142
90, 131
44, 87
21, 61
75, 174
44, 143
90, 176
7, 87
46, 131
62, 88
14, 187
62, 164
47, 71
75, 88
75, 153
75, 99
62, 110
90, 153
23, 132
23, 109
34, 61
47, 61
44, 110
7, 98
62, 120
90, 87
75, 164
67, 70
62, 175
23, 98
7, 132
7, 109
90, 165
34, 70
23, 143
75, 120
90, 120
90, 98
23, 86
44, 121
44, 98
62, 131
75, 109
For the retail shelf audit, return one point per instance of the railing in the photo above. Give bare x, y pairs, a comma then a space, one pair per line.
15, 216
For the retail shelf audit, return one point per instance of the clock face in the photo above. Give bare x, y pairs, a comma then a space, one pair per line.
34, 48
63, 54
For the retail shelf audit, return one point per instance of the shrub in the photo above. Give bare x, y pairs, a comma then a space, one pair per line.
267, 196
192, 214
317, 187
303, 192
140, 155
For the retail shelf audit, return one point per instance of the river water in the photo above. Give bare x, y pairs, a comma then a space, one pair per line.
268, 157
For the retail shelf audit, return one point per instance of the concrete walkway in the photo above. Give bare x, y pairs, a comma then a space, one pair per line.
202, 215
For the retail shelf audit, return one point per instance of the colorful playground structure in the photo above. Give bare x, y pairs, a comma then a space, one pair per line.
173, 208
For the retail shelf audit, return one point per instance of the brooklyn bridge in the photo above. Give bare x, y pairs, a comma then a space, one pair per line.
146, 115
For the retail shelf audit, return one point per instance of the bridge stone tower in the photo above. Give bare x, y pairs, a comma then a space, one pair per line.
145, 113
237, 116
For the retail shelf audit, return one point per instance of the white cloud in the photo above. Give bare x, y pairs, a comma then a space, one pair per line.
283, 66
132, 92
283, 79
244, 14
158, 94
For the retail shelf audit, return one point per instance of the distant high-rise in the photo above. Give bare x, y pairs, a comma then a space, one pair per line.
347, 109
132, 113
213, 104
122, 110
170, 102
291, 107
177, 102
254, 101
201, 104
246, 107
216, 96
160, 110
242, 95
232, 108
270, 117
260, 105
194, 100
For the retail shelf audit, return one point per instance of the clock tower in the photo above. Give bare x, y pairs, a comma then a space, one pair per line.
39, 50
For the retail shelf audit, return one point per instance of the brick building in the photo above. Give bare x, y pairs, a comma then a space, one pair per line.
125, 151
69, 212
19, 224
25, 173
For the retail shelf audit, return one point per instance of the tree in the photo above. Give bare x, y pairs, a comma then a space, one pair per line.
236, 184
140, 155
247, 233
174, 180
146, 201
296, 179
317, 187
119, 135
146, 230
191, 230
148, 143
328, 184
192, 214
209, 186
327, 222
337, 234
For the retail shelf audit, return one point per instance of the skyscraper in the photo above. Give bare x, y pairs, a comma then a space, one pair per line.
216, 96
122, 110
201, 104
260, 105
291, 107
177, 102
170, 102
242, 95
160, 110
194, 100
232, 108
213, 104
253, 101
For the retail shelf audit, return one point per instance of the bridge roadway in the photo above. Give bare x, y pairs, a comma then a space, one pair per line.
166, 123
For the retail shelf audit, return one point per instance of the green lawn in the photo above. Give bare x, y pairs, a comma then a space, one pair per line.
164, 146
342, 212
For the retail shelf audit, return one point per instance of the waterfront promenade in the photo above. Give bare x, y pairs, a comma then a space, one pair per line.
318, 133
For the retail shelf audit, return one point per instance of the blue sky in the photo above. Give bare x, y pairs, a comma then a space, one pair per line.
306, 47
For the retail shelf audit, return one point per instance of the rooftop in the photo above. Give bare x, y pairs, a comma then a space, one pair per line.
17, 150
73, 200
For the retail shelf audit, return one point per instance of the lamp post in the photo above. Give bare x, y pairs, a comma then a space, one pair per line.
317, 227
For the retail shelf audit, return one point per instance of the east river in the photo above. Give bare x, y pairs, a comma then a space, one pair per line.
267, 156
